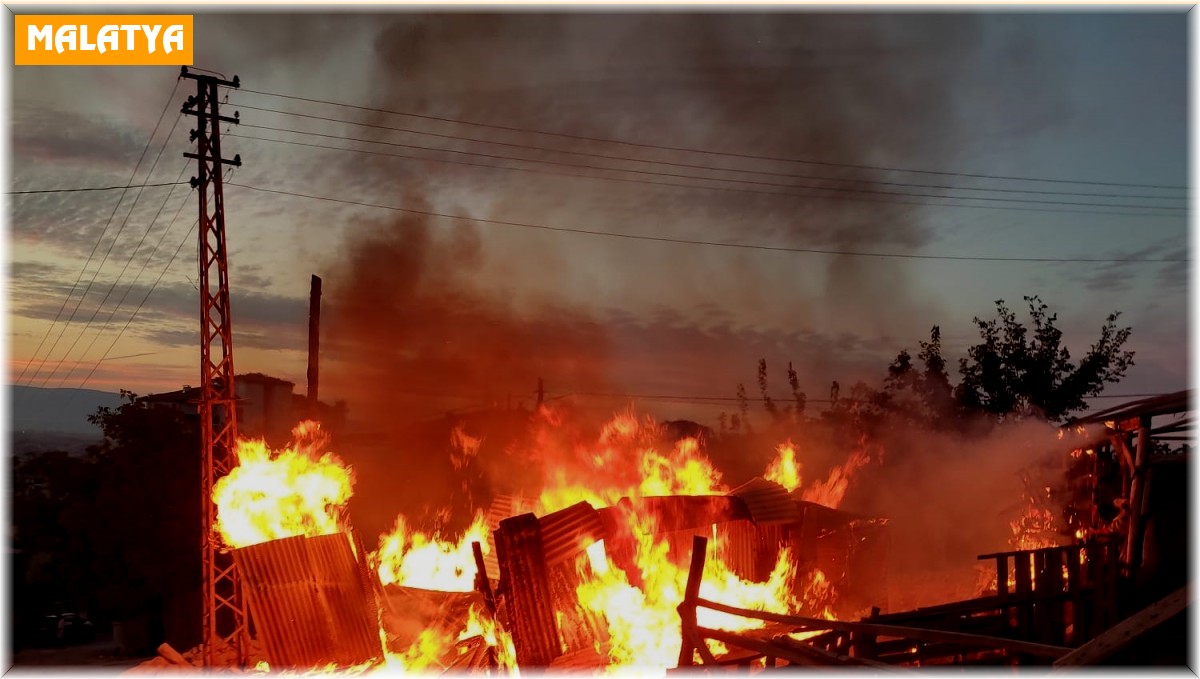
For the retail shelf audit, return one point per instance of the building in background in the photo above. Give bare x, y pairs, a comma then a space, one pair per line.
267, 407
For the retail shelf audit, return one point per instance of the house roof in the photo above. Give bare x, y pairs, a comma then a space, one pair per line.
262, 379
190, 394
1165, 404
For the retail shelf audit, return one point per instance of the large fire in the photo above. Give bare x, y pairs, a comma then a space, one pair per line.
269, 495
303, 490
429, 561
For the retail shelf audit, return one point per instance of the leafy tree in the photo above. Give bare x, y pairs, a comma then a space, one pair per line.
798, 397
743, 409
768, 402
115, 531
1013, 371
1016, 370
148, 471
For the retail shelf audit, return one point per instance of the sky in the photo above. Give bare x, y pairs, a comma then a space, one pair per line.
438, 313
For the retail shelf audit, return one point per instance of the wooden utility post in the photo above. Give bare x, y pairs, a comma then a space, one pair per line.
224, 612
1133, 544
314, 343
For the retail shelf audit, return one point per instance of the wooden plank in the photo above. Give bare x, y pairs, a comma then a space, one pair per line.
1129, 630
693, 639
1133, 536
1075, 589
1022, 567
1002, 577
1030, 648
687, 608
1056, 615
781, 649
828, 657
482, 583
1042, 585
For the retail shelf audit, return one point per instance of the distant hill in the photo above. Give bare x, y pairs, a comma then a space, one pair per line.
62, 411
29, 442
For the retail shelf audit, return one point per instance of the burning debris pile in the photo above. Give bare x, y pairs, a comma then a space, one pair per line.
585, 565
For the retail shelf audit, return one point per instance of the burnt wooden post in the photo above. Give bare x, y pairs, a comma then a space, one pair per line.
1021, 572
687, 607
1057, 605
482, 584
527, 591
1002, 587
1075, 589
1133, 544
314, 345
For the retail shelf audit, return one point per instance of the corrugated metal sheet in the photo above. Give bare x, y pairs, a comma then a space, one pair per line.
766, 502
567, 532
578, 627
584, 661
685, 512
411, 611
502, 507
505, 506
308, 601
750, 550
526, 586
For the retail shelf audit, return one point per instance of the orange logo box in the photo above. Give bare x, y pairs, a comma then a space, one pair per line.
103, 39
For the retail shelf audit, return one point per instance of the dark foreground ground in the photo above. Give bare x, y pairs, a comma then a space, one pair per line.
101, 654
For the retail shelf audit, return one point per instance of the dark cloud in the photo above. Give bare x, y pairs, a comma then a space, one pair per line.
41, 134
169, 315
1174, 275
1114, 277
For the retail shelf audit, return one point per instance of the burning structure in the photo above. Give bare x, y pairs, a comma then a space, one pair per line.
634, 553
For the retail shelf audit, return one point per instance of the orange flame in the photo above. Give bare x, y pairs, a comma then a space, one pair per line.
269, 495
831, 491
429, 561
785, 469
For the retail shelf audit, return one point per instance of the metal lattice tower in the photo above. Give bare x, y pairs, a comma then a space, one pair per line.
224, 611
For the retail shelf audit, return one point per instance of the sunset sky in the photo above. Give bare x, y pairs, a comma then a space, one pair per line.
457, 312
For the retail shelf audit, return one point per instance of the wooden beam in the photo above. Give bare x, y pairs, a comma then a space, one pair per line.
1126, 632
794, 656
687, 607
1040, 650
1133, 543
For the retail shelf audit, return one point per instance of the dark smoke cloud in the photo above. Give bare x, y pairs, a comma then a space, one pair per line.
408, 313
407, 322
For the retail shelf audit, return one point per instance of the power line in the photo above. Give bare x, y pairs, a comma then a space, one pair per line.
730, 154
95, 247
691, 165
139, 306
94, 188
718, 400
663, 239
138, 276
125, 268
153, 286
1020, 208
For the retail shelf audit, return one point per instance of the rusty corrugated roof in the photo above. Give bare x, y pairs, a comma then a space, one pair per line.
766, 502
502, 507
308, 601
685, 512
1165, 404
568, 531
